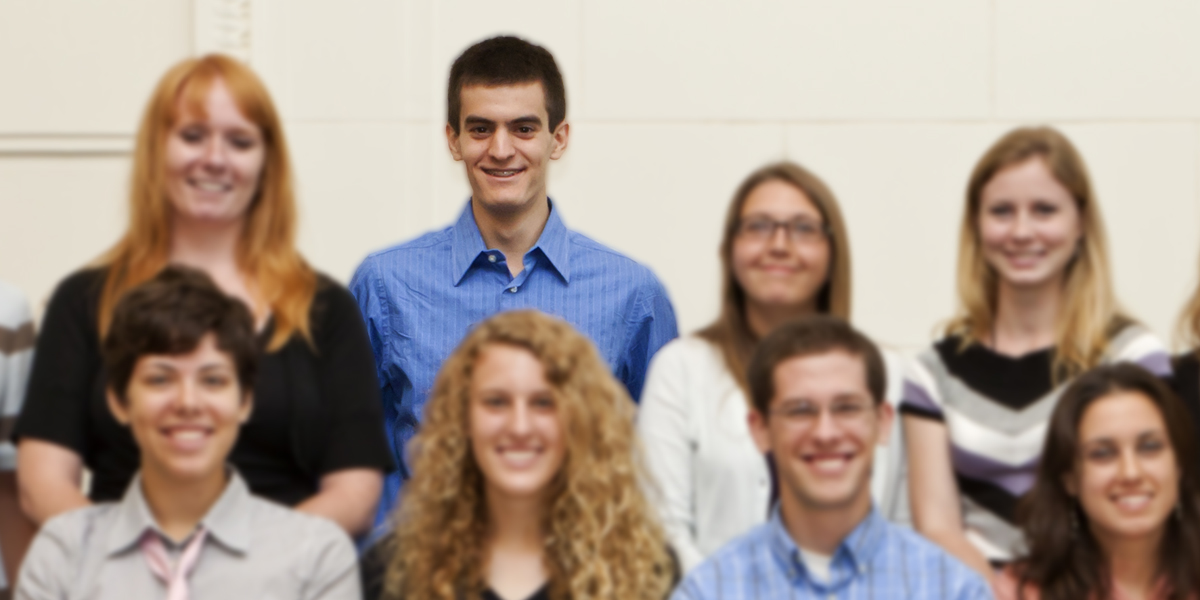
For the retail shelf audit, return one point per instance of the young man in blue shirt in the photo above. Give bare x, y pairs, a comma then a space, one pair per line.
509, 249
817, 387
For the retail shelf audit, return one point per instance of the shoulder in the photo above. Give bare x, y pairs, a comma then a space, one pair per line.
70, 530
916, 548
689, 352
425, 242
589, 252
87, 282
14, 308
332, 296
736, 561
1137, 344
317, 533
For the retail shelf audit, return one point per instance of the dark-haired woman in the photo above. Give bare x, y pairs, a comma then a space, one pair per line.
784, 253
1113, 513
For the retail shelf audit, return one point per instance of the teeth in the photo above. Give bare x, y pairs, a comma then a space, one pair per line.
1133, 501
503, 173
211, 186
188, 435
519, 455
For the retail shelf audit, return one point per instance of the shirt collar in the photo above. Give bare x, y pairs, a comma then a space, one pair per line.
228, 521
468, 244
858, 547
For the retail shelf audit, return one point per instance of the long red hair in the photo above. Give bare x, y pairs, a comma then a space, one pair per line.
266, 252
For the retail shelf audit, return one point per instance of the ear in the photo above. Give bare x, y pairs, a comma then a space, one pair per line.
246, 407
119, 411
561, 135
886, 414
1069, 484
452, 142
759, 430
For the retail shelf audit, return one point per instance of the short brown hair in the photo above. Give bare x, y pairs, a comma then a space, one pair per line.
815, 334
506, 60
170, 314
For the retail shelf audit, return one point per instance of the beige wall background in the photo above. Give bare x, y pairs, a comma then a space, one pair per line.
671, 104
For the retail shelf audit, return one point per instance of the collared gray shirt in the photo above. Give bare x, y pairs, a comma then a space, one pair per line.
254, 549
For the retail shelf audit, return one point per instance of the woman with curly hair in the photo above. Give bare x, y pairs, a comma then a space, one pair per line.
1113, 511
526, 479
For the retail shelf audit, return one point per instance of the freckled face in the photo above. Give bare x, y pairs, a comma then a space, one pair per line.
1126, 476
783, 270
184, 411
516, 435
1029, 225
214, 162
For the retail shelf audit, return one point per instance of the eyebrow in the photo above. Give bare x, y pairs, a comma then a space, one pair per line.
523, 120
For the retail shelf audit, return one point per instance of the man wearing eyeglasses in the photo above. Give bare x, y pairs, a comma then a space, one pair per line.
816, 386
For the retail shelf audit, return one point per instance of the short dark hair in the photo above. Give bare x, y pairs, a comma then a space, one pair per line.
170, 314
816, 334
506, 60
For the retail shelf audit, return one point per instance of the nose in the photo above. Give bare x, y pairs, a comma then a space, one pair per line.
188, 398
779, 242
1130, 467
501, 146
521, 422
1023, 225
214, 156
826, 428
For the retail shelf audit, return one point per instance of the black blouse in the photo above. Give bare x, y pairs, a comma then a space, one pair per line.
315, 411
1186, 382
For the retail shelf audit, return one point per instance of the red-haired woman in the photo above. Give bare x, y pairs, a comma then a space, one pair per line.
211, 188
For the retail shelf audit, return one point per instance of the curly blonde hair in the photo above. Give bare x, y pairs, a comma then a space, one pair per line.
602, 537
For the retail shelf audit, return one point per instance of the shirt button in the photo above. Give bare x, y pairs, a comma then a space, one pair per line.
513, 289
491, 258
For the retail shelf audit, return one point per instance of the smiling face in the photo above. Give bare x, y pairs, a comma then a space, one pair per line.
1125, 477
184, 412
506, 145
822, 428
782, 270
1029, 225
516, 436
214, 162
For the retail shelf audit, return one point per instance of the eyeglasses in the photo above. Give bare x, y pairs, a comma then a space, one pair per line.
803, 413
761, 229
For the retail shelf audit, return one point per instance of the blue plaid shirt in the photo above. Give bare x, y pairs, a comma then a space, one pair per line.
877, 561
421, 297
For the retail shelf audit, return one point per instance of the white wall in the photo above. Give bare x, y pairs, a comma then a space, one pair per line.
671, 104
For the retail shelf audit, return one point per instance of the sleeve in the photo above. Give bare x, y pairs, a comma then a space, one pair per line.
346, 376
16, 354
663, 427
919, 395
67, 359
334, 566
47, 569
654, 327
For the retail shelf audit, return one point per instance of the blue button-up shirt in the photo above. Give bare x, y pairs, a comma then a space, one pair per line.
877, 561
421, 297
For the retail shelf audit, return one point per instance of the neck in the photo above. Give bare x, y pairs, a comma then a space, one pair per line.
763, 319
178, 506
208, 246
1134, 564
822, 530
512, 233
1026, 317
514, 524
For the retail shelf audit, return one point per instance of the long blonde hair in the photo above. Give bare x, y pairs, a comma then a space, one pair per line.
603, 539
1090, 315
730, 331
267, 250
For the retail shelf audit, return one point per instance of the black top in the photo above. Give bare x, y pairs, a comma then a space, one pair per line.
373, 566
1014, 381
315, 412
1186, 382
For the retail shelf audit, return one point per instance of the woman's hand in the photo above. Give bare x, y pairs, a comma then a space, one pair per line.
49, 479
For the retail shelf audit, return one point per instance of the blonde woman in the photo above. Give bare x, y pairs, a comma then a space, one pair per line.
211, 189
784, 253
1037, 308
526, 479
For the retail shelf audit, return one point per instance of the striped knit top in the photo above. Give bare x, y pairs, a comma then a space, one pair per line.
996, 409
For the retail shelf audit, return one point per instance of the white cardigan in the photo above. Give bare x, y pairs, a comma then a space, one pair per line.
712, 482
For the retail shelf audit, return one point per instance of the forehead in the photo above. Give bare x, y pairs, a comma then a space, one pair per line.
502, 103
205, 355
779, 198
1030, 178
1120, 415
824, 375
508, 366
209, 99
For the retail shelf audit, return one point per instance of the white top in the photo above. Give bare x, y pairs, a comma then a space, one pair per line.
713, 483
818, 564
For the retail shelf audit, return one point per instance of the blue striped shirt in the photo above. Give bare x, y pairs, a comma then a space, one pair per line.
419, 299
877, 561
